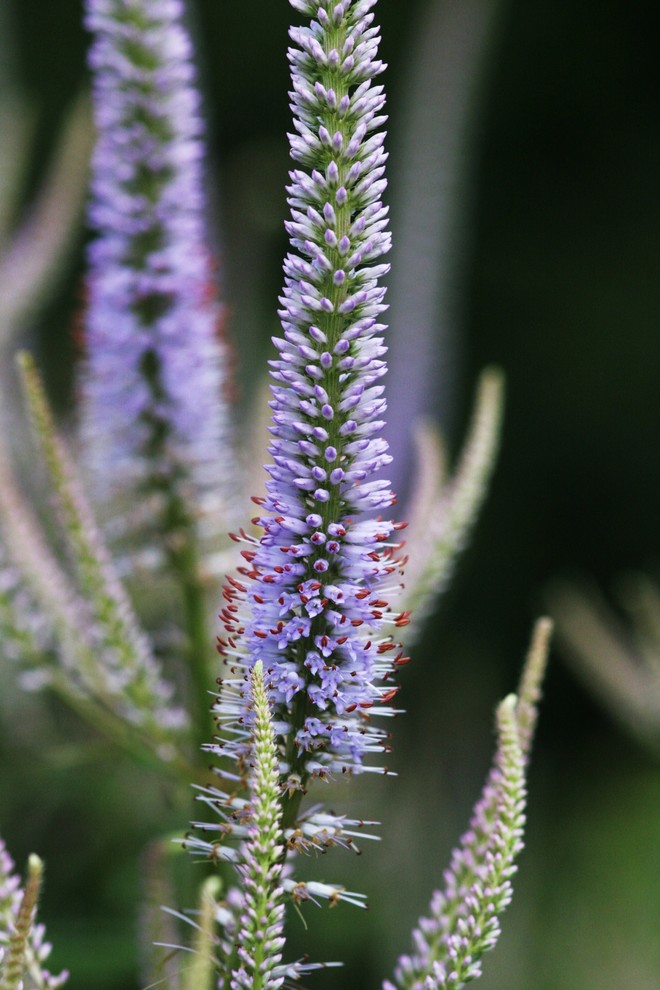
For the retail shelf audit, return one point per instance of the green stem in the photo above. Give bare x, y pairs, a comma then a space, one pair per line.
184, 558
181, 540
198, 645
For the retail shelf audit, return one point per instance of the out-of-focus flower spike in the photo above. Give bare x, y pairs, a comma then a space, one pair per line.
207, 951
23, 950
34, 255
49, 631
640, 597
155, 926
47, 628
432, 155
28, 558
37, 599
432, 468
16, 125
463, 920
129, 676
57, 647
200, 973
26, 634
440, 524
622, 669
154, 419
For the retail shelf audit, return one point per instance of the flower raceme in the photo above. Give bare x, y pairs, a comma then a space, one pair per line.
261, 929
312, 602
153, 414
464, 921
464, 918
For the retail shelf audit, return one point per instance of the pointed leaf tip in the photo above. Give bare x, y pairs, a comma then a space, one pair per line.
529, 687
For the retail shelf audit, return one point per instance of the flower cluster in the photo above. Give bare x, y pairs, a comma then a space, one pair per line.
105, 654
320, 575
153, 417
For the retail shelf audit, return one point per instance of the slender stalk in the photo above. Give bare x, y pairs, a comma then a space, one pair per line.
198, 634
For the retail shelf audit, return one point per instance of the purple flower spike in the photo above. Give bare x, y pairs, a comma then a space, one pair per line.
320, 575
153, 414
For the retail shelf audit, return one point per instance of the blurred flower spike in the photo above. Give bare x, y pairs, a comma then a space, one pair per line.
154, 420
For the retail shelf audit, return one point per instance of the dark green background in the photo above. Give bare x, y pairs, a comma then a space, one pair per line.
562, 290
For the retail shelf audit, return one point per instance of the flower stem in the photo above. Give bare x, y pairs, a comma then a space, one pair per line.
184, 559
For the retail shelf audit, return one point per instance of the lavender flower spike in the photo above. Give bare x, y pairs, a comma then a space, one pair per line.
153, 414
319, 576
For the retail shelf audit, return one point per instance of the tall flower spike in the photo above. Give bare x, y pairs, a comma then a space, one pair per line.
123, 675
464, 917
463, 920
319, 577
153, 414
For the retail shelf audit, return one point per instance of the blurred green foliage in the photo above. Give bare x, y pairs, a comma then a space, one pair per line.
562, 291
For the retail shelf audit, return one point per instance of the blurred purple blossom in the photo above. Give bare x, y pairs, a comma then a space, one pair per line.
153, 411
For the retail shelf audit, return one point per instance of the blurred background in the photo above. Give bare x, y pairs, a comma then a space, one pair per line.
548, 265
